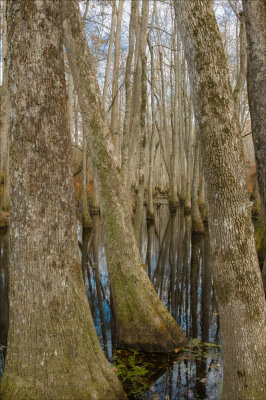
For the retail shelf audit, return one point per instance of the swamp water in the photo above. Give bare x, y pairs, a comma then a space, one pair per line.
179, 266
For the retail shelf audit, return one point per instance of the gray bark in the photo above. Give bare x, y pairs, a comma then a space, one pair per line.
138, 219
255, 17
238, 283
197, 224
110, 53
125, 148
53, 350
86, 218
114, 113
4, 121
143, 323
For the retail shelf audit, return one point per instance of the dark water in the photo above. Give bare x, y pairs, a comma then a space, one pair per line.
180, 267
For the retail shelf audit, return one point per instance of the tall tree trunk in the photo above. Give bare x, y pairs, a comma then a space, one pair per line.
138, 219
114, 113
143, 323
197, 224
86, 218
190, 146
53, 350
128, 105
134, 128
255, 17
70, 103
4, 121
110, 53
237, 276
242, 74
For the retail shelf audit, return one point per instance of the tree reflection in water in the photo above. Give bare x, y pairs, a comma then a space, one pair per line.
179, 266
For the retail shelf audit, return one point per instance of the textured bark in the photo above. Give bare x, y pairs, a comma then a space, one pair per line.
53, 350
70, 104
255, 17
4, 122
150, 207
190, 146
86, 218
110, 53
142, 321
114, 113
134, 128
237, 276
128, 105
257, 201
242, 74
138, 219
197, 224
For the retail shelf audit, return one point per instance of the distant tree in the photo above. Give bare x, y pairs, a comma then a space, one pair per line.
143, 323
237, 277
53, 350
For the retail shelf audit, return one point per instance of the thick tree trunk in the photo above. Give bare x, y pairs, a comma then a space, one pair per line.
237, 276
255, 17
53, 350
143, 323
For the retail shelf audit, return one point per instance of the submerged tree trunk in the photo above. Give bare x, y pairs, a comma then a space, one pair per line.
53, 350
238, 283
143, 323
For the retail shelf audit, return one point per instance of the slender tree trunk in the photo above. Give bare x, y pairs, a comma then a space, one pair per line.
53, 350
242, 74
197, 224
142, 321
125, 148
114, 113
110, 53
70, 103
86, 218
4, 122
190, 146
134, 128
138, 219
237, 277
180, 120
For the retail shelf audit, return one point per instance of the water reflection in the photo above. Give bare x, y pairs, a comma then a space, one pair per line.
3, 296
180, 268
